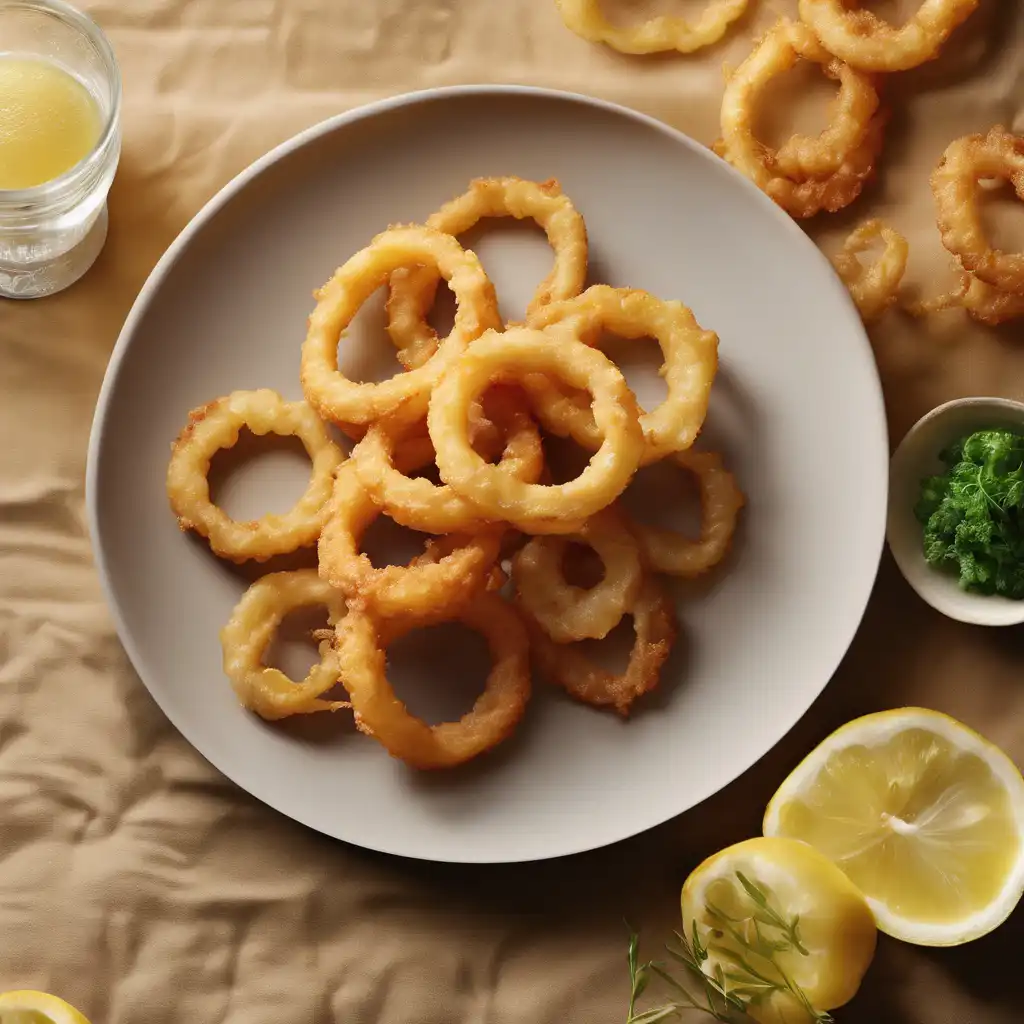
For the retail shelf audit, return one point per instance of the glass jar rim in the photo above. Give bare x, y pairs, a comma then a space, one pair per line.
76, 19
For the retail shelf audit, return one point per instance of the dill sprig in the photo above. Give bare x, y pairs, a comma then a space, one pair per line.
722, 982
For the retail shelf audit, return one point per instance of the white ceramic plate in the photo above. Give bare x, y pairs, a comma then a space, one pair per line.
797, 409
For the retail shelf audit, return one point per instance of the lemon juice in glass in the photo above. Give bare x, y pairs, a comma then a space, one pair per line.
60, 141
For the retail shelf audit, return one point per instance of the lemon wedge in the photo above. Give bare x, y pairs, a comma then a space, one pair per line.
924, 816
28, 1007
779, 929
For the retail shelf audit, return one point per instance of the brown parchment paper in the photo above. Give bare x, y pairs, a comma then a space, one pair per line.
139, 884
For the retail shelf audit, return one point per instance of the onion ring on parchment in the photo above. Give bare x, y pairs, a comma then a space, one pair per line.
673, 553
874, 287
690, 356
655, 628
657, 35
509, 357
217, 425
991, 306
413, 289
850, 114
566, 612
999, 154
332, 394
451, 571
247, 635
361, 640
985, 304
869, 43
418, 503
846, 151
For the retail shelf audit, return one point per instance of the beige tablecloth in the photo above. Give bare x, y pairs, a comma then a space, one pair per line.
143, 887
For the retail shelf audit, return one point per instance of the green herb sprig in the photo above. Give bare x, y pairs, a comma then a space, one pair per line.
727, 992
973, 513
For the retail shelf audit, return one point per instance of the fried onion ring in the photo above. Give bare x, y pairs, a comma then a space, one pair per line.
510, 356
417, 502
721, 499
656, 629
690, 356
826, 173
999, 154
869, 43
413, 288
361, 643
452, 570
873, 288
247, 635
217, 425
991, 306
336, 397
658, 35
985, 304
566, 612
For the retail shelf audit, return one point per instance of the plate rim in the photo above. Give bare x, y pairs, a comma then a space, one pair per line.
234, 187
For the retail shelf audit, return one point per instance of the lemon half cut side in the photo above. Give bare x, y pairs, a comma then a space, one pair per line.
27, 1007
924, 816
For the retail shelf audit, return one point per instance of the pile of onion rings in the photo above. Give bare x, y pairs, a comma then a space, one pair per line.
856, 48
453, 447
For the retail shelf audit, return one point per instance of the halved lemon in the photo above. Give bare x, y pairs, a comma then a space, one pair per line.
778, 928
27, 1007
923, 815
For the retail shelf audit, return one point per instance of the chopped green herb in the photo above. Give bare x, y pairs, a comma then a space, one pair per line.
733, 985
973, 514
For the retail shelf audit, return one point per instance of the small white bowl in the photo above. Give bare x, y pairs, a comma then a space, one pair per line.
917, 457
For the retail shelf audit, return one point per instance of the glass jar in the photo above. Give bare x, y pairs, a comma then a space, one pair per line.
50, 235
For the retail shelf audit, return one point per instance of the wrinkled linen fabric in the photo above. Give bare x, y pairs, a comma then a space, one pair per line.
142, 886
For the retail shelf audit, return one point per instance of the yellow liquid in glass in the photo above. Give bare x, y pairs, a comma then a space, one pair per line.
49, 121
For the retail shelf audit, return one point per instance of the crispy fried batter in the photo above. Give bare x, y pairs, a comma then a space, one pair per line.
247, 635
721, 500
873, 288
690, 356
362, 640
413, 289
341, 400
418, 503
656, 35
656, 629
999, 154
536, 508
826, 173
869, 43
217, 425
452, 570
566, 612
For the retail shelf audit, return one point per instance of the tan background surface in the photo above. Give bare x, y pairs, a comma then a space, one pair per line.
139, 884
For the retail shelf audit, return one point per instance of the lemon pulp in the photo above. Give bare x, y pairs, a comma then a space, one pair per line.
49, 121
923, 815
921, 826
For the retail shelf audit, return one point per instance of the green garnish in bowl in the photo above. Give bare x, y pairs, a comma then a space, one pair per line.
973, 514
